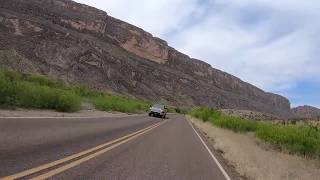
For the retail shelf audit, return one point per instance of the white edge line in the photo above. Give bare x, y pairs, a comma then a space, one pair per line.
213, 157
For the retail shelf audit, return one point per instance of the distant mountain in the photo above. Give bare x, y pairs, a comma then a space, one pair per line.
306, 112
83, 45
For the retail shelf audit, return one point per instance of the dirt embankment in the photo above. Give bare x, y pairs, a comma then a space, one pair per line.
254, 160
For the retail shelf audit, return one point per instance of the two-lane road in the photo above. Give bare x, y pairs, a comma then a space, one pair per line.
135, 147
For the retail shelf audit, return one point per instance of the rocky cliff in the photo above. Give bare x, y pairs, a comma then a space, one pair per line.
81, 44
306, 112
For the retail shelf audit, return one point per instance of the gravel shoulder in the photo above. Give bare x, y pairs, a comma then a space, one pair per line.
254, 160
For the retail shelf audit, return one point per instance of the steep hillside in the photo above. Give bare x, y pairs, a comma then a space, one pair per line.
81, 44
306, 112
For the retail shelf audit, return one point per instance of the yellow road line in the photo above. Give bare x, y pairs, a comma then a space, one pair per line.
68, 158
87, 158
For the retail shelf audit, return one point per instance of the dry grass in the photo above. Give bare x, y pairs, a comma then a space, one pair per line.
257, 161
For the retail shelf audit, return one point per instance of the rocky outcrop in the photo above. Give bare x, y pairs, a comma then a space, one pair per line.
138, 41
81, 44
306, 112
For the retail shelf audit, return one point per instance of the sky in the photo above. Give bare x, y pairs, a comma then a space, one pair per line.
273, 45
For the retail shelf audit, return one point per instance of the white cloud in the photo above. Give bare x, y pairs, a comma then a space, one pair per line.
273, 63
271, 44
157, 17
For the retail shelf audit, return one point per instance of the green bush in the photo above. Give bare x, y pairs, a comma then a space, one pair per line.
117, 103
12, 75
303, 140
34, 91
30, 95
39, 91
68, 102
7, 90
85, 91
43, 80
171, 109
221, 120
205, 114
236, 124
34, 78
180, 110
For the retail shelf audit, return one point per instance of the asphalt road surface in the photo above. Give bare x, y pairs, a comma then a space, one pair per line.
136, 147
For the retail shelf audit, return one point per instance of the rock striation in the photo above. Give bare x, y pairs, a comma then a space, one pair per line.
83, 45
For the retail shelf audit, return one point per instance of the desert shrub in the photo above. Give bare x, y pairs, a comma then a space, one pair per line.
12, 75
85, 91
43, 80
171, 109
205, 113
302, 140
118, 103
68, 102
8, 89
30, 95
35, 91
221, 120
181, 110
236, 124
41, 92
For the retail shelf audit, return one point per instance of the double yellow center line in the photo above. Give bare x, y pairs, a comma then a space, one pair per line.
79, 158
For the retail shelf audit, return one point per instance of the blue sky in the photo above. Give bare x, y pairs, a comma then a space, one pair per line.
272, 44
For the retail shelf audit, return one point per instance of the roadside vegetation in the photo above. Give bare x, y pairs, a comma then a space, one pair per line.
179, 110
117, 103
35, 91
302, 140
41, 92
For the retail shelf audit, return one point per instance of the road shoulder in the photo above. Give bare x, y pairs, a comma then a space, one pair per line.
253, 160
27, 113
218, 154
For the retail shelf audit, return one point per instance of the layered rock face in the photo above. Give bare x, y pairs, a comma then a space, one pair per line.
81, 44
306, 112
